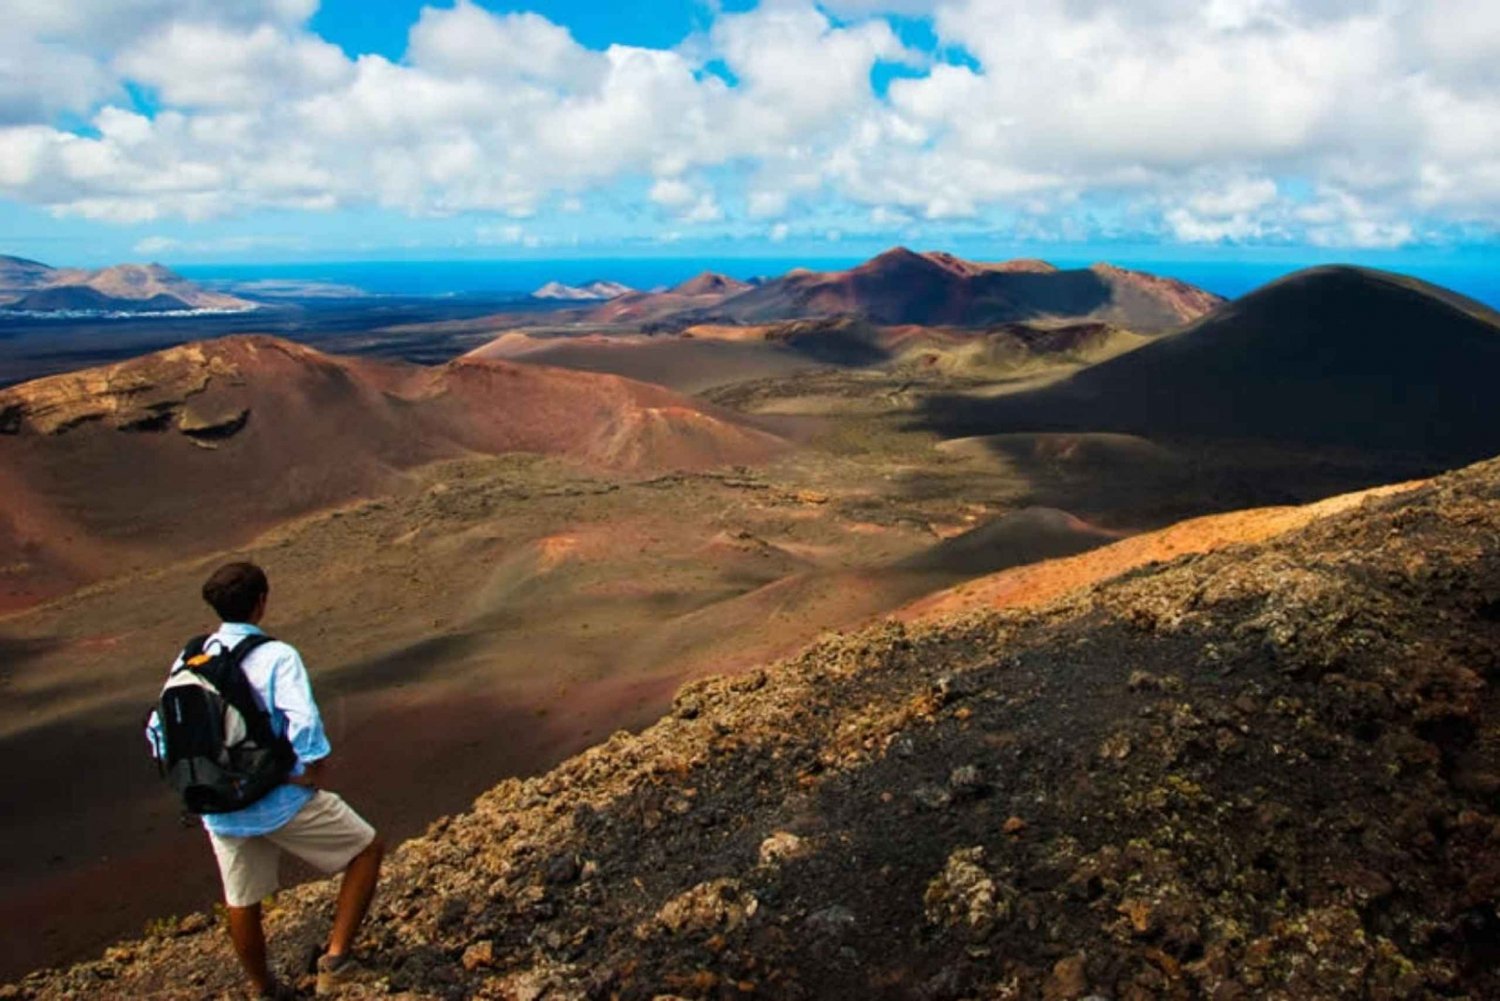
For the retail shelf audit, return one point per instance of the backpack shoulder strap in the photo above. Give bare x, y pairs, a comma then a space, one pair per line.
229, 678
247, 646
193, 648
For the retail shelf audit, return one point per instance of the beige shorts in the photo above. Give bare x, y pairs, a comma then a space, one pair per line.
326, 834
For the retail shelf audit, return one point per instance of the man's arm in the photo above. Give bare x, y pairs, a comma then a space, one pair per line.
313, 774
293, 698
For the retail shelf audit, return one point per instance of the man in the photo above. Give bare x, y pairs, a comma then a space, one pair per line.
315, 825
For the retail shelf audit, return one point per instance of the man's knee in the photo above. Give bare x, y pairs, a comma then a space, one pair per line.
374, 850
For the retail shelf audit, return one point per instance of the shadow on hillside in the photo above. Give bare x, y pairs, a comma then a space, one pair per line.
1127, 481
844, 345
15, 651
1049, 294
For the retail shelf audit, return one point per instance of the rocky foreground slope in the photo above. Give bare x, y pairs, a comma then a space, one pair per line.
1270, 771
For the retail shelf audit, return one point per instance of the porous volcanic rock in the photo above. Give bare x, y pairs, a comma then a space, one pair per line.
1271, 771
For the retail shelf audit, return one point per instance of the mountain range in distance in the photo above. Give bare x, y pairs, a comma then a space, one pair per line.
897, 287
30, 287
594, 291
902, 286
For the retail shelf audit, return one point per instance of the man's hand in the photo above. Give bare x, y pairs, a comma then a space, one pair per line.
312, 774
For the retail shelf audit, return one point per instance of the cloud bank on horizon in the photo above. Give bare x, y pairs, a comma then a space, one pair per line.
1328, 123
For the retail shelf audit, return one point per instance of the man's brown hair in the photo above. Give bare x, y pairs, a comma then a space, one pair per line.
235, 589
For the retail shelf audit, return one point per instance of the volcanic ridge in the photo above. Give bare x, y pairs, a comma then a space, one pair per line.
1267, 771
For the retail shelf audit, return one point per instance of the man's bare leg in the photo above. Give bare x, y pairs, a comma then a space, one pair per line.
250, 944
354, 897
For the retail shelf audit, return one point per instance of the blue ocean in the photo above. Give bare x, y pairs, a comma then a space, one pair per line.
1476, 277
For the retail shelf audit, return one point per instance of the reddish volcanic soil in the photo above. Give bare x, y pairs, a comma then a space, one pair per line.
689, 364
169, 454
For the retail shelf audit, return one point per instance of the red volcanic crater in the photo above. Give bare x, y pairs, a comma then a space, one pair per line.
199, 446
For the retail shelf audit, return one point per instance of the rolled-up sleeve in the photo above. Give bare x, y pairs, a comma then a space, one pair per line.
292, 697
154, 737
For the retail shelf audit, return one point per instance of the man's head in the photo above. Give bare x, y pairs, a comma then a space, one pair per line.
237, 591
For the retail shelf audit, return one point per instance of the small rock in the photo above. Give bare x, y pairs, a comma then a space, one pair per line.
932, 797
967, 782
780, 847
952, 687
453, 911
193, 923
1068, 980
1142, 920
562, 869
1013, 826
965, 896
479, 954
121, 954
1116, 747
718, 905
526, 986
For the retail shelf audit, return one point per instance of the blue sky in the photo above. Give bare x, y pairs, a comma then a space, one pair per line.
239, 130
381, 26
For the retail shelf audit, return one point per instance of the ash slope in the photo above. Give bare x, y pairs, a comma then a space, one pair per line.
1269, 771
1338, 356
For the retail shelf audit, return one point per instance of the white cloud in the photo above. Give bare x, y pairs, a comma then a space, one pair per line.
157, 246
506, 235
208, 65
39, 80
152, 246
467, 40
1187, 117
686, 202
672, 193
705, 209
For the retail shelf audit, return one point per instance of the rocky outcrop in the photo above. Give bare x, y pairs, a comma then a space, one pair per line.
142, 394
1268, 771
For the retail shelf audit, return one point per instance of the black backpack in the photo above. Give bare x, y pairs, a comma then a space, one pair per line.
219, 750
